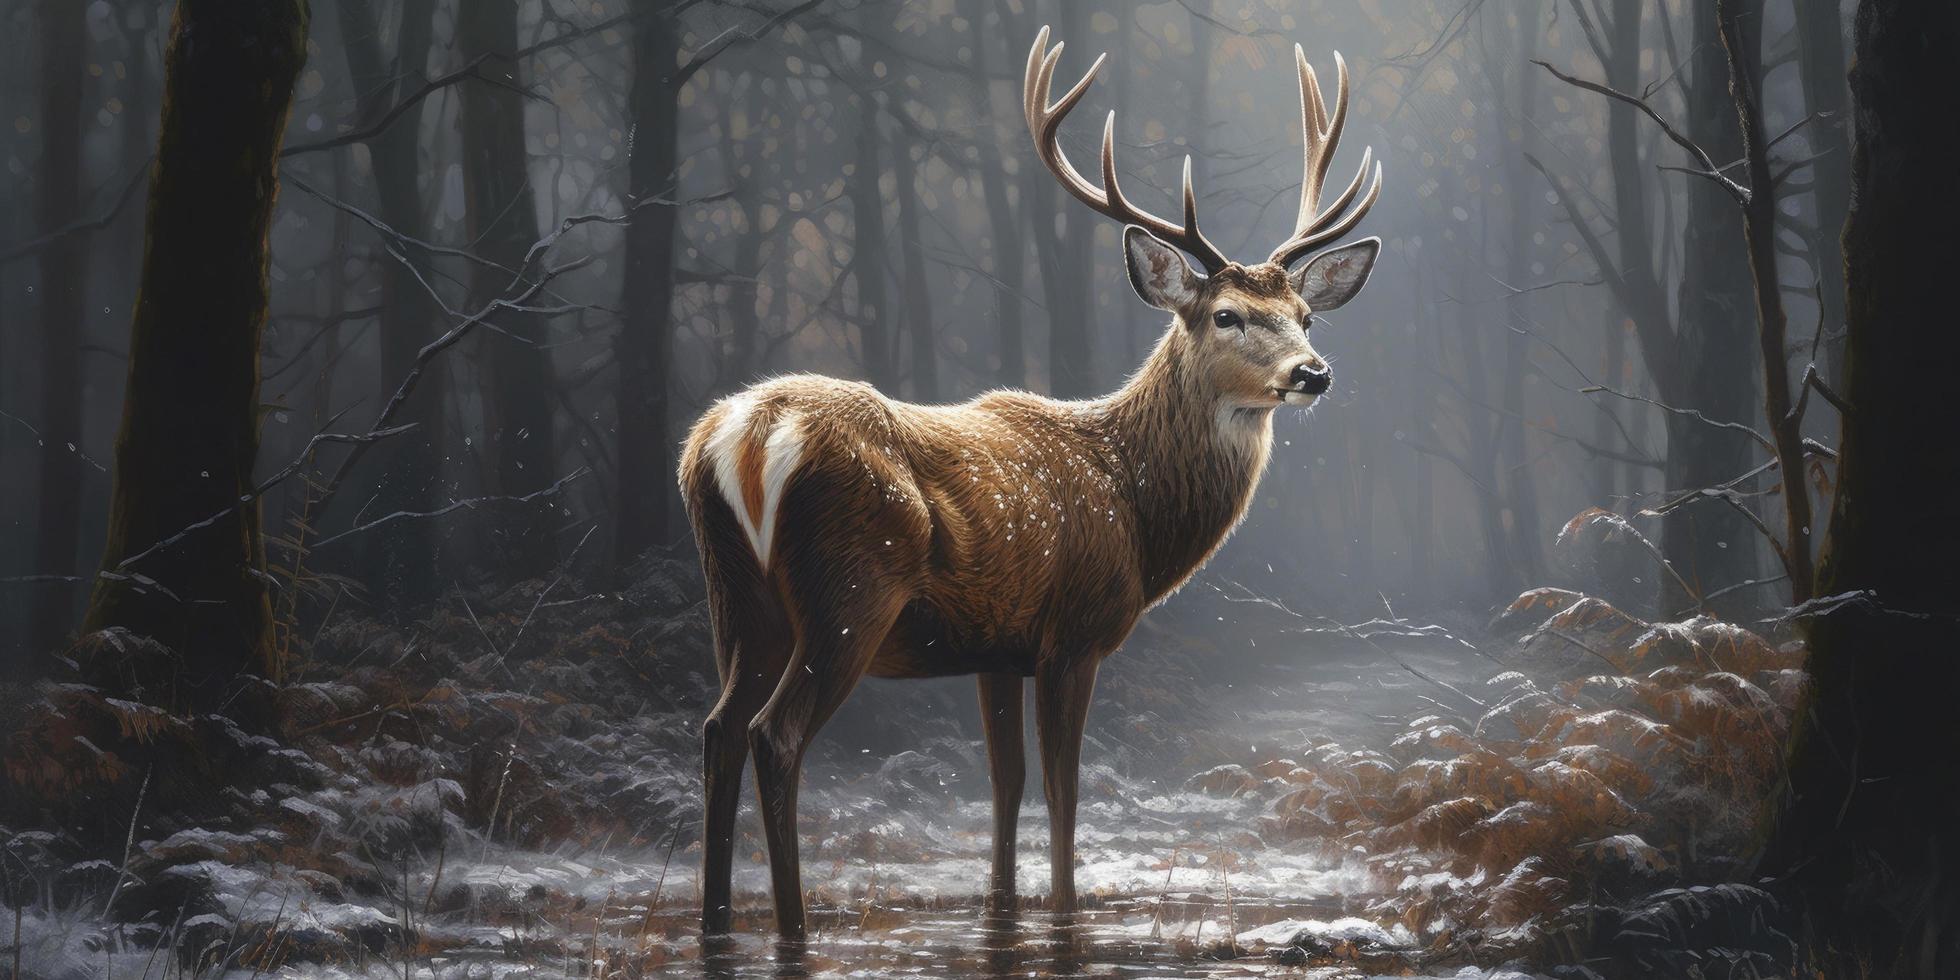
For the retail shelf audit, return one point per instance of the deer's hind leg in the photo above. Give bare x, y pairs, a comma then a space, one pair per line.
836, 642
753, 641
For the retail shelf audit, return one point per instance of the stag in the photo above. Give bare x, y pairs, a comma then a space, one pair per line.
843, 533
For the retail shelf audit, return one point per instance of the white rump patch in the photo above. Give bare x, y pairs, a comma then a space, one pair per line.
779, 458
782, 450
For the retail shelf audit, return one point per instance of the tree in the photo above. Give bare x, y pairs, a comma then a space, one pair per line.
519, 417
1004, 223
646, 498
1695, 357
1820, 66
64, 270
190, 426
1868, 841
403, 561
1063, 238
644, 347
1713, 543
914, 288
876, 345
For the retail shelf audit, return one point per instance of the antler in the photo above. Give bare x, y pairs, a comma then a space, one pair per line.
1045, 120
1320, 135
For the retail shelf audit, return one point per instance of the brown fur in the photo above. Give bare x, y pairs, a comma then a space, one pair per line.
1010, 536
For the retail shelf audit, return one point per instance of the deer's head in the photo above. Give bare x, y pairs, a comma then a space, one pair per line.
1242, 327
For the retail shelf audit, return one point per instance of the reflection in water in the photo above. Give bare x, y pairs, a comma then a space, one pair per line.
996, 944
1000, 936
791, 957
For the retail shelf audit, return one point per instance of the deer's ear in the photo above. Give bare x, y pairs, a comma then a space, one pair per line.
1330, 279
1158, 272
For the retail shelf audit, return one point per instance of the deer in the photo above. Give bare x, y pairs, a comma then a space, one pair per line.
843, 533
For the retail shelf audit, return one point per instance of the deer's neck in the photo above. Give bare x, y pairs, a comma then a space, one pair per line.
1192, 460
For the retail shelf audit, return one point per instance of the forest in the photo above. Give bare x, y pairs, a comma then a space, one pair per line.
1598, 620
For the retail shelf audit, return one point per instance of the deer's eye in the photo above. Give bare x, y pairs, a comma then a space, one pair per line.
1227, 320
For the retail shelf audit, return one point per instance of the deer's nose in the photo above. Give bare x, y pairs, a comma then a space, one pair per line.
1312, 378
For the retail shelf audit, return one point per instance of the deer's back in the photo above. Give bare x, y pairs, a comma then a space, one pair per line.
1002, 518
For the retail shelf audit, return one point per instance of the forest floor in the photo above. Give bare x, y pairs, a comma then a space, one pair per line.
509, 787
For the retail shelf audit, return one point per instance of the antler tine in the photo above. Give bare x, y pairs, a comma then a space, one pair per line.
1191, 206
1045, 121
1320, 135
1293, 248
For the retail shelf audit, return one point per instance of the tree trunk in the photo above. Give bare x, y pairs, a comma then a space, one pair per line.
1820, 65
868, 254
744, 321
503, 221
1710, 543
189, 432
407, 469
64, 271
644, 347
1868, 843
1740, 20
917, 294
1067, 267
1003, 221
1527, 539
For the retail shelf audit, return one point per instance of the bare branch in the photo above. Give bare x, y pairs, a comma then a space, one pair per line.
260, 490
468, 503
731, 38
42, 441
1710, 170
96, 223
1695, 414
394, 112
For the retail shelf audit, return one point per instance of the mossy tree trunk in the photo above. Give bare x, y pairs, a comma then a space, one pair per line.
190, 434
1868, 843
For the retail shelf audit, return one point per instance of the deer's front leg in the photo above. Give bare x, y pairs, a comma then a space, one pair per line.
1061, 704
1000, 717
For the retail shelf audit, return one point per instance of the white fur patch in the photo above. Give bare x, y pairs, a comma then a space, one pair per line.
782, 450
779, 458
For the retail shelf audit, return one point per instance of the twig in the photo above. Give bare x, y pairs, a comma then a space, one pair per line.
721, 43
468, 503
1712, 172
563, 567
1583, 645
1737, 587
129, 842
497, 802
1695, 414
266, 485
394, 112
86, 458
96, 223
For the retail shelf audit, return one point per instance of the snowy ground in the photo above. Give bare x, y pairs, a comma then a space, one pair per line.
896, 838
510, 787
